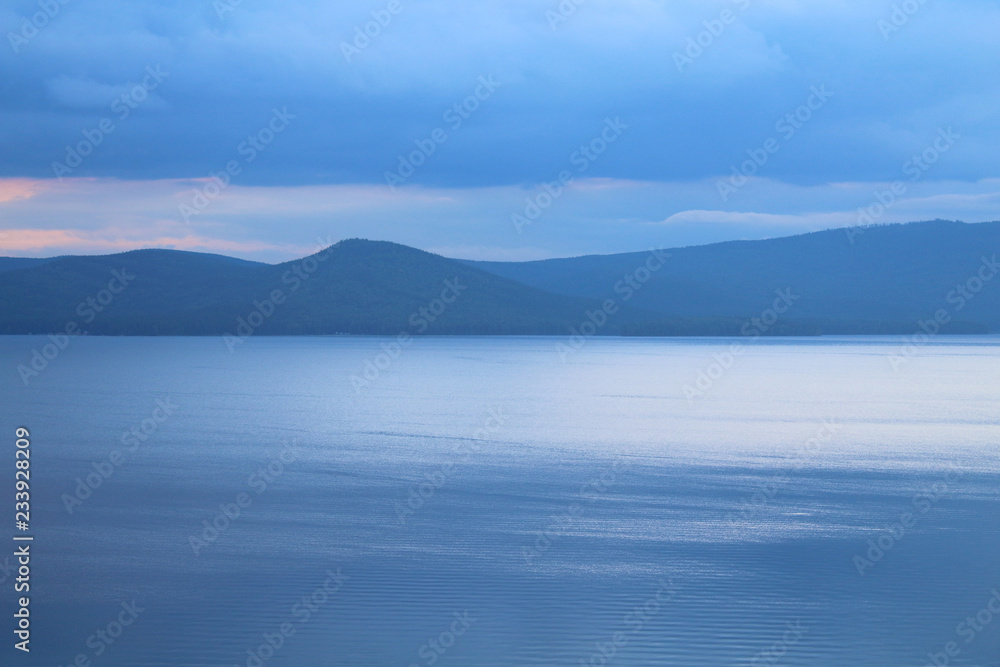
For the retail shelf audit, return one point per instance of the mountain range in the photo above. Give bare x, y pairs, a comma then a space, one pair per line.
880, 279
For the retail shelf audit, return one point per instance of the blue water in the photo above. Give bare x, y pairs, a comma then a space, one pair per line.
481, 501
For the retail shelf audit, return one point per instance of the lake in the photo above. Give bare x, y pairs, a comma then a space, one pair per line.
507, 501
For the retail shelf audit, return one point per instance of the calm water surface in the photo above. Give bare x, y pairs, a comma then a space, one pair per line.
480, 501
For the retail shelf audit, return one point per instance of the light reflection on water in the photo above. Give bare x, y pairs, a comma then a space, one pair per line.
578, 511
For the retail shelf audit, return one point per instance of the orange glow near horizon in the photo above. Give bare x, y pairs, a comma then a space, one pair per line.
67, 241
14, 189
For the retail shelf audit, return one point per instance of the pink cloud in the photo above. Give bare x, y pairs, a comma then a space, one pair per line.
14, 189
58, 241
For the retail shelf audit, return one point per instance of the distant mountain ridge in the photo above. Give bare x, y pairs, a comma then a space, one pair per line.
889, 273
355, 286
877, 280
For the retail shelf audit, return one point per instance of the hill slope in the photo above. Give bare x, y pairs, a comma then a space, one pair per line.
352, 287
884, 282
891, 274
14, 263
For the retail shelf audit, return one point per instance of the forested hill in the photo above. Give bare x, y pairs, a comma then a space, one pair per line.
892, 273
875, 280
355, 286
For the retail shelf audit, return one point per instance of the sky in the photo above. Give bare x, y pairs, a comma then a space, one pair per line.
488, 129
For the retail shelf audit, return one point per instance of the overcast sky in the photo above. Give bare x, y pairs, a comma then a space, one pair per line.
441, 127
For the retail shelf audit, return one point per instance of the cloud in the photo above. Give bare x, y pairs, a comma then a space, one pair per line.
811, 221
278, 223
357, 118
608, 58
492, 254
80, 93
14, 189
48, 242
